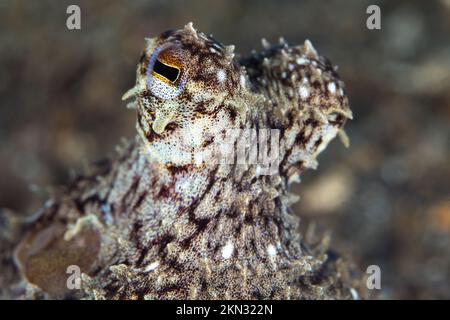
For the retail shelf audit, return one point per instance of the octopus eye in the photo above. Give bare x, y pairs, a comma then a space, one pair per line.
168, 72
166, 77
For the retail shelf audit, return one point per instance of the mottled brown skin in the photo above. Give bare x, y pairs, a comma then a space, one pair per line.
156, 227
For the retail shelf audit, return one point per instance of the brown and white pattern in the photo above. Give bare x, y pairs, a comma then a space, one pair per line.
164, 218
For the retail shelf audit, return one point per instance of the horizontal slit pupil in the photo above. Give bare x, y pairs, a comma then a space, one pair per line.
166, 71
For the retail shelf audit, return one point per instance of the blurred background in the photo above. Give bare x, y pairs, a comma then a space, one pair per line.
383, 201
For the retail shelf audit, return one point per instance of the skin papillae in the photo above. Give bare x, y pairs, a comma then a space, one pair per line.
163, 218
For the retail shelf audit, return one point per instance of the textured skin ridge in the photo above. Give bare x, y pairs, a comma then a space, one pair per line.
150, 224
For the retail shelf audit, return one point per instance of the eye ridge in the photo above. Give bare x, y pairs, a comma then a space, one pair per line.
168, 72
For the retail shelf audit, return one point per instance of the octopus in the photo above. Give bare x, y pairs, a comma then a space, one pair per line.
197, 204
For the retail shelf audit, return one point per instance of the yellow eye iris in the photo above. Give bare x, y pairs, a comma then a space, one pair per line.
166, 73
166, 68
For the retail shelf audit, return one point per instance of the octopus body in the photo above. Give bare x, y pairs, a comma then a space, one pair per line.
167, 217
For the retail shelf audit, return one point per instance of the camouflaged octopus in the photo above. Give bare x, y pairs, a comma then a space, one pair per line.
166, 218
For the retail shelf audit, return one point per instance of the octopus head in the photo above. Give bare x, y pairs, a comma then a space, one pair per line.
189, 91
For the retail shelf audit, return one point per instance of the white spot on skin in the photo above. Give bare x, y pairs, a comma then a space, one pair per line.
152, 266
303, 91
221, 76
243, 81
301, 61
290, 92
106, 210
332, 87
258, 170
354, 293
215, 45
227, 250
271, 250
